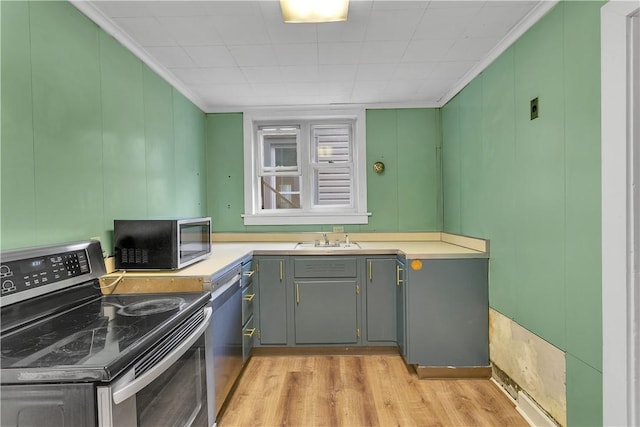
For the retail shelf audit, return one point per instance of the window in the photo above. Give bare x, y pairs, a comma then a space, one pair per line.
305, 168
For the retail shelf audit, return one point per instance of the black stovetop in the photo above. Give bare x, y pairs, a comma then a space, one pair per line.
94, 340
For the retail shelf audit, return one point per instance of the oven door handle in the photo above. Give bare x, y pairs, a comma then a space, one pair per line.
125, 391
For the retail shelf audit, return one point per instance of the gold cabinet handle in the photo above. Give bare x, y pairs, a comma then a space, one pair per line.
249, 273
249, 297
398, 280
297, 293
249, 333
281, 271
370, 271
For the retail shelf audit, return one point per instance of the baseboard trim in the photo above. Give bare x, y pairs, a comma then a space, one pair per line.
452, 372
324, 351
532, 413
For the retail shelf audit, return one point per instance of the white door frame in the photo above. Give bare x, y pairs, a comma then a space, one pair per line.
620, 214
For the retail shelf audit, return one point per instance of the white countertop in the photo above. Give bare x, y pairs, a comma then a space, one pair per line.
226, 254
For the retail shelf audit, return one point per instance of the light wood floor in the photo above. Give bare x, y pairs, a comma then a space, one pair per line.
354, 391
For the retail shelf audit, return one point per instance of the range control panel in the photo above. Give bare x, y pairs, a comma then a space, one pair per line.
25, 274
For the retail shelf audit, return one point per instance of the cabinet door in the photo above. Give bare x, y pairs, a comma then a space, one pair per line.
326, 312
448, 313
401, 319
273, 300
381, 295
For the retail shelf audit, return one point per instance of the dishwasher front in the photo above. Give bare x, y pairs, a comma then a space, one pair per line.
226, 335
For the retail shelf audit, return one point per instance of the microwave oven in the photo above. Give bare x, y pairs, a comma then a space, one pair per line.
160, 244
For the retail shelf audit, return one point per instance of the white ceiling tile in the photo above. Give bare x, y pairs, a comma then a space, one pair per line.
427, 50
303, 89
171, 56
124, 9
191, 30
209, 76
368, 92
239, 54
342, 89
434, 90
444, 23
414, 71
470, 49
262, 74
455, 4
337, 72
352, 30
393, 24
232, 7
292, 33
496, 21
254, 55
300, 73
368, 72
241, 29
270, 89
176, 8
339, 53
382, 52
296, 54
229, 89
451, 70
210, 56
146, 31
399, 4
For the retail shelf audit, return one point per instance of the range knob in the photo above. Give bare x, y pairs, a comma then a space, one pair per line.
5, 271
8, 286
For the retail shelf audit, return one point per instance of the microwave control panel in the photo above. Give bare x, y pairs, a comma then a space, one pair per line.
25, 274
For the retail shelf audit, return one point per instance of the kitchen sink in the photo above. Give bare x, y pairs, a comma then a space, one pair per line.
317, 245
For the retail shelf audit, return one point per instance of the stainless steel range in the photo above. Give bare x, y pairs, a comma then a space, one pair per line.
71, 356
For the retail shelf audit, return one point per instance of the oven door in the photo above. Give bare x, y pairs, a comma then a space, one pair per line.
166, 387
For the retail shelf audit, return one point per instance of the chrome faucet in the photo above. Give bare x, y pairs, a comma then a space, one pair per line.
326, 239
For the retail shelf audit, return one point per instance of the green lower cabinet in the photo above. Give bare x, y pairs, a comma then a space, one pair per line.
447, 312
380, 283
272, 300
326, 312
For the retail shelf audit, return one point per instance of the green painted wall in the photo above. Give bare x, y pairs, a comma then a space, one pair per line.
533, 188
406, 197
89, 133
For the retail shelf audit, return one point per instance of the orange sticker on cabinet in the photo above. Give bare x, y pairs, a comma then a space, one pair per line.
416, 264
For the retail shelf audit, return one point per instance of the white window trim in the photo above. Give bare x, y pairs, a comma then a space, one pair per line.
253, 216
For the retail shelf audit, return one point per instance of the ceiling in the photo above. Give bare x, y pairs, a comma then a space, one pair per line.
237, 55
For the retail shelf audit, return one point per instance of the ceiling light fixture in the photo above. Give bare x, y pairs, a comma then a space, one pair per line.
314, 11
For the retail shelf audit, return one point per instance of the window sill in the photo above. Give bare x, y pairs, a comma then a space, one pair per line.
306, 219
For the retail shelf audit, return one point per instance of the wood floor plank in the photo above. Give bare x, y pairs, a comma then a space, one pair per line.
354, 391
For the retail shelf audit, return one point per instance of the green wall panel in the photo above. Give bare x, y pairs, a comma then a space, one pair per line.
225, 180
88, 132
123, 142
158, 134
540, 193
67, 120
17, 209
189, 152
419, 205
472, 187
451, 166
533, 188
498, 162
382, 189
584, 394
582, 144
